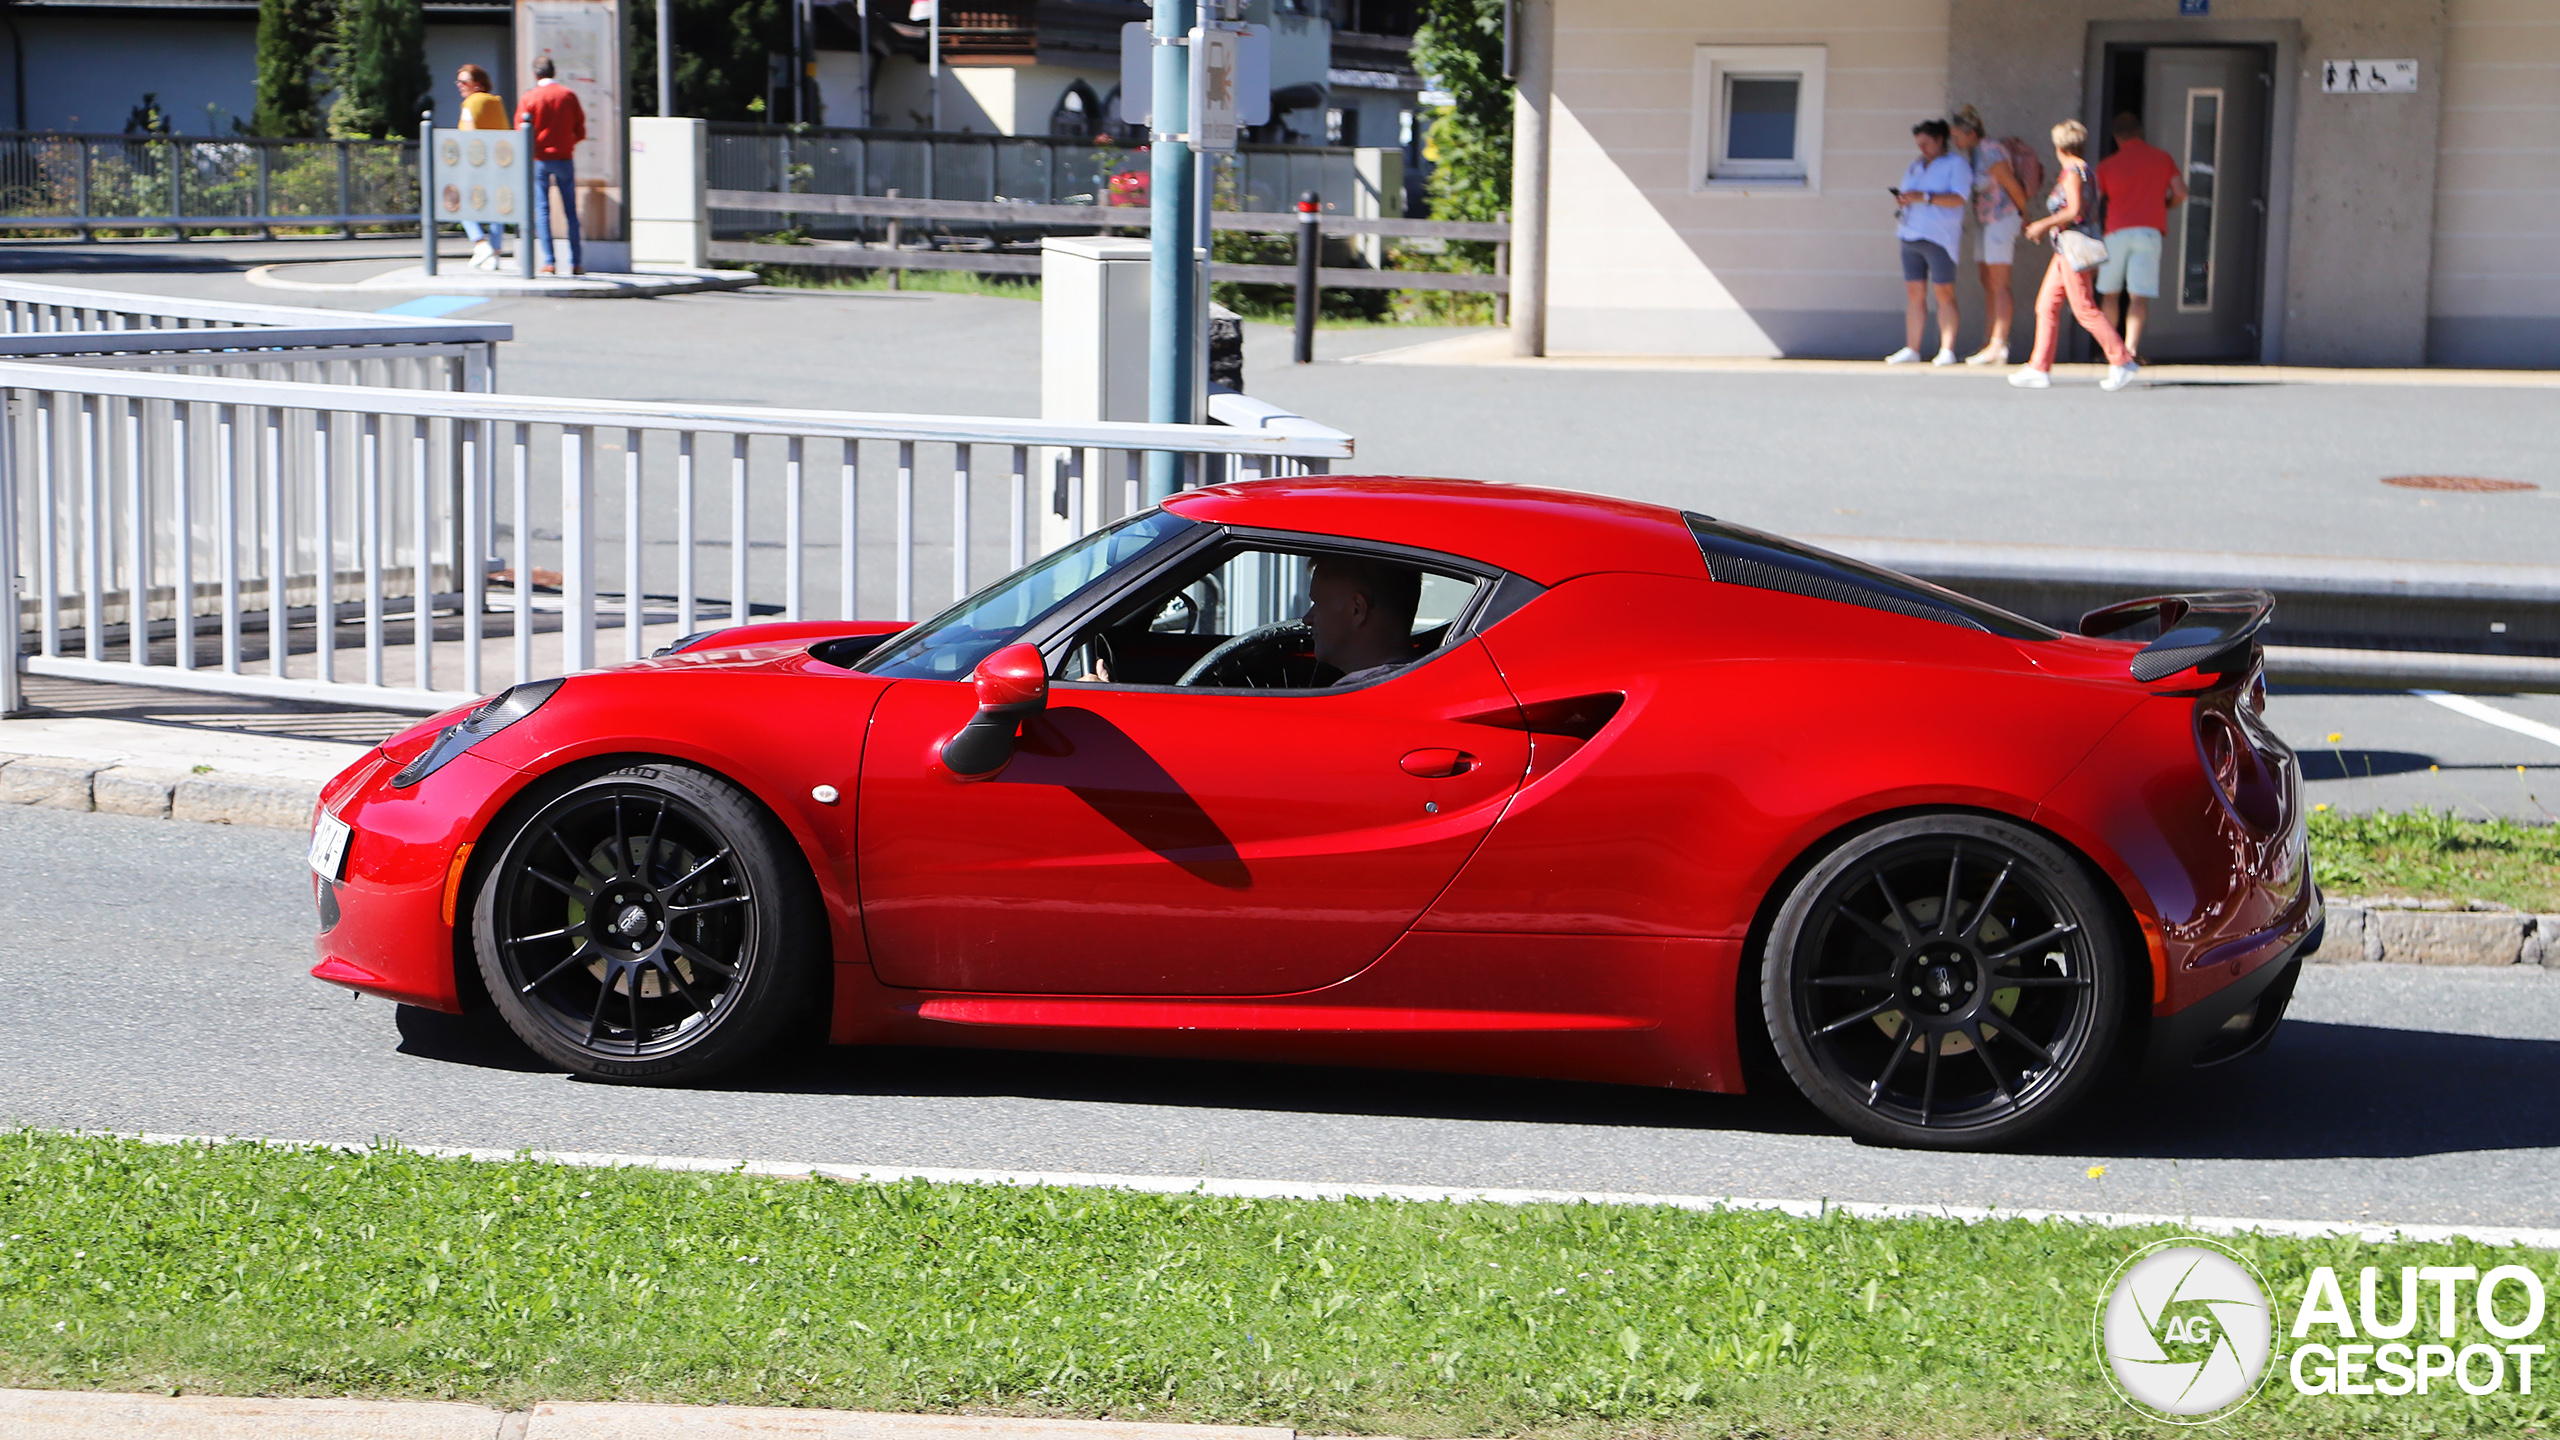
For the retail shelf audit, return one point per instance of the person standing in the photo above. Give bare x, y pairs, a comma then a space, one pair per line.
559, 123
2067, 227
2140, 182
481, 110
2000, 203
1932, 200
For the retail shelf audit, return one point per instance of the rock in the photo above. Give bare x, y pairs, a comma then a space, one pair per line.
2446, 937
2343, 941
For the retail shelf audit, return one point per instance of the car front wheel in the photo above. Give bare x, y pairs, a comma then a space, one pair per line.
1945, 982
653, 925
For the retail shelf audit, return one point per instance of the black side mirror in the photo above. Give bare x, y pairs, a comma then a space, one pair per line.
1012, 683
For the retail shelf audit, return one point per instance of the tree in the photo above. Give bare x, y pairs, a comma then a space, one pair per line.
1458, 48
292, 38
721, 50
380, 70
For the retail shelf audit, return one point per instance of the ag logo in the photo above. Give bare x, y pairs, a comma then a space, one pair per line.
2185, 1331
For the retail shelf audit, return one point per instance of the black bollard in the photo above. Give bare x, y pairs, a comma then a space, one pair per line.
1310, 244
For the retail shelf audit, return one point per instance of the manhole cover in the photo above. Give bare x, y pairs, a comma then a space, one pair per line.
2468, 484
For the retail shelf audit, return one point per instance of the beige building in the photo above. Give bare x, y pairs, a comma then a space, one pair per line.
2378, 181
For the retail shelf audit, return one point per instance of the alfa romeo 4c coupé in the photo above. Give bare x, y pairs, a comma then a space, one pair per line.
1633, 795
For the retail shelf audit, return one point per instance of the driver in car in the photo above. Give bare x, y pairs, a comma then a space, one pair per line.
1362, 613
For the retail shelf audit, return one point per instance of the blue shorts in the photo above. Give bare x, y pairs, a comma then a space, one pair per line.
1928, 260
2132, 263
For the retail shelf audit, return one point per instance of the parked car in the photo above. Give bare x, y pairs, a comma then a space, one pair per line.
1651, 795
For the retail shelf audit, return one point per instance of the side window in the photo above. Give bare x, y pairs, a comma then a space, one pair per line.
1262, 617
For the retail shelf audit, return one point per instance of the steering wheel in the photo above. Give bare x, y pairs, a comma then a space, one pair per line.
1285, 651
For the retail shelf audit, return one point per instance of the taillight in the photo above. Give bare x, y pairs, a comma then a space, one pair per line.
2245, 759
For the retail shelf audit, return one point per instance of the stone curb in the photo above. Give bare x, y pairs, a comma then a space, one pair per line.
54, 783
94, 1415
2414, 934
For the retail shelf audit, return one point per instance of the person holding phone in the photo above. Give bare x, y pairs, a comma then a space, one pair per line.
1935, 189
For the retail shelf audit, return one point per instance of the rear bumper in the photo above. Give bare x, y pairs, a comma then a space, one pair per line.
2235, 1021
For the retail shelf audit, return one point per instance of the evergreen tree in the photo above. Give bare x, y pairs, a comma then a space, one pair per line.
1458, 48
380, 69
292, 34
721, 47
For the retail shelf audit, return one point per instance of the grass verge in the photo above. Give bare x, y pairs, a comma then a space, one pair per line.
2432, 855
246, 1269
937, 282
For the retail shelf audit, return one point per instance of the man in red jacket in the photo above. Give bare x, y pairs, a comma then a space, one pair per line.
559, 123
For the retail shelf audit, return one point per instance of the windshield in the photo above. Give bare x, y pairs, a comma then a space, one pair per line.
950, 645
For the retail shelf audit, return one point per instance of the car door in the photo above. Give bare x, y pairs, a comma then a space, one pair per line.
1162, 840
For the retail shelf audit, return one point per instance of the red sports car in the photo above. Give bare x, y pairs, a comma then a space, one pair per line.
1386, 772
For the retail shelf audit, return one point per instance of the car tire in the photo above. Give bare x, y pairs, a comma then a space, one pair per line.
652, 925
1946, 982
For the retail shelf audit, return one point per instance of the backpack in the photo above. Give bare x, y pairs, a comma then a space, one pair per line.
2026, 165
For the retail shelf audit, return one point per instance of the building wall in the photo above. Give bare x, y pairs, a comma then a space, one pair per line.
1639, 264
2495, 296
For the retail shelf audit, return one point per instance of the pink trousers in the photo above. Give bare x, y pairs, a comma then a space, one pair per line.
2080, 287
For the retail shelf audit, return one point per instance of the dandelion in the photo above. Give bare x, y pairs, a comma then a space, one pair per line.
2322, 806
2097, 1172
2335, 737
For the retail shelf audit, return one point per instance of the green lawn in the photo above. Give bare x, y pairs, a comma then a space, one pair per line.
251, 1270
2430, 855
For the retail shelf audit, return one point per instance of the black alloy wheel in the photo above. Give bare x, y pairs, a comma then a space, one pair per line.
652, 925
1945, 982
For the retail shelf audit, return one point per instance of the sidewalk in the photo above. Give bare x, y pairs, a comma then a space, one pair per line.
93, 1415
214, 758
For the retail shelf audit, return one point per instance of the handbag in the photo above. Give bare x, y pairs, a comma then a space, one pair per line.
2079, 249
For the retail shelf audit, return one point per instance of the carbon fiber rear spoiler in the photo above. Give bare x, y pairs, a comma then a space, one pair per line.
2215, 632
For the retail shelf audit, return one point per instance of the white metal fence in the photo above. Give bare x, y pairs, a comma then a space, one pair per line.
408, 547
61, 325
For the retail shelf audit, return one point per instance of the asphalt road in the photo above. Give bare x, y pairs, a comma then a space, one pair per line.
157, 970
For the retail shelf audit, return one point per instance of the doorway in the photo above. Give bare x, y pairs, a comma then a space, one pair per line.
2208, 107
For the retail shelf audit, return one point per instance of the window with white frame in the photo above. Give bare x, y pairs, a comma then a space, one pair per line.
1758, 119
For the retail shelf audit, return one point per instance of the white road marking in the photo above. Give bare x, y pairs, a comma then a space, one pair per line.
2369, 1231
2492, 715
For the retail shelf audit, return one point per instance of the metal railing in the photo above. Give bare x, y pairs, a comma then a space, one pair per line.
62, 325
398, 547
84, 183
1040, 169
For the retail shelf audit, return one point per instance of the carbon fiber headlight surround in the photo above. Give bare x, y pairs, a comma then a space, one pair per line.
500, 711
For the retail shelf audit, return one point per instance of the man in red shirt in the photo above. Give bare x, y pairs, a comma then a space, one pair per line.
559, 122
2140, 182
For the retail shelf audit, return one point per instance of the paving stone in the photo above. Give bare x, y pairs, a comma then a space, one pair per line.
40, 780
563, 1420
96, 1415
2437, 937
135, 790
2343, 941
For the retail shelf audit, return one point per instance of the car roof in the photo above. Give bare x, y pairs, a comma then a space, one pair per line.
1545, 535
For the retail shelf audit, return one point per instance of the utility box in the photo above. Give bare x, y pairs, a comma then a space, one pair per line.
1377, 194
670, 210
1094, 293
1093, 328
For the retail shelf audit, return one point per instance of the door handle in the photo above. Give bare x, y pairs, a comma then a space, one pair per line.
1438, 763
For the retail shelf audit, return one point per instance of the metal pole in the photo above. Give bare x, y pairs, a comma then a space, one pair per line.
1532, 103
666, 58
427, 192
1310, 243
532, 195
863, 7
1174, 291
933, 75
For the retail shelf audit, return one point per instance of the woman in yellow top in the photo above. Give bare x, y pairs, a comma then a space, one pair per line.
481, 110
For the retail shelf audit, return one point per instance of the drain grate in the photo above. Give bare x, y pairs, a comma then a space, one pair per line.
2467, 484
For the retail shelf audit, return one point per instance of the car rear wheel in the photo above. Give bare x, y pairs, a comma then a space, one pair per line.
652, 925
1945, 982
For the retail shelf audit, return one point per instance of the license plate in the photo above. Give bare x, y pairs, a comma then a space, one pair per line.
329, 845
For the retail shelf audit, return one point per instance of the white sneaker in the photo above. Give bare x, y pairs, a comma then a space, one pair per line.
2120, 376
1946, 357
1904, 356
2027, 377
1989, 355
482, 256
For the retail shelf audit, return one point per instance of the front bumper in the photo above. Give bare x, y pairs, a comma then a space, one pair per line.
386, 929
